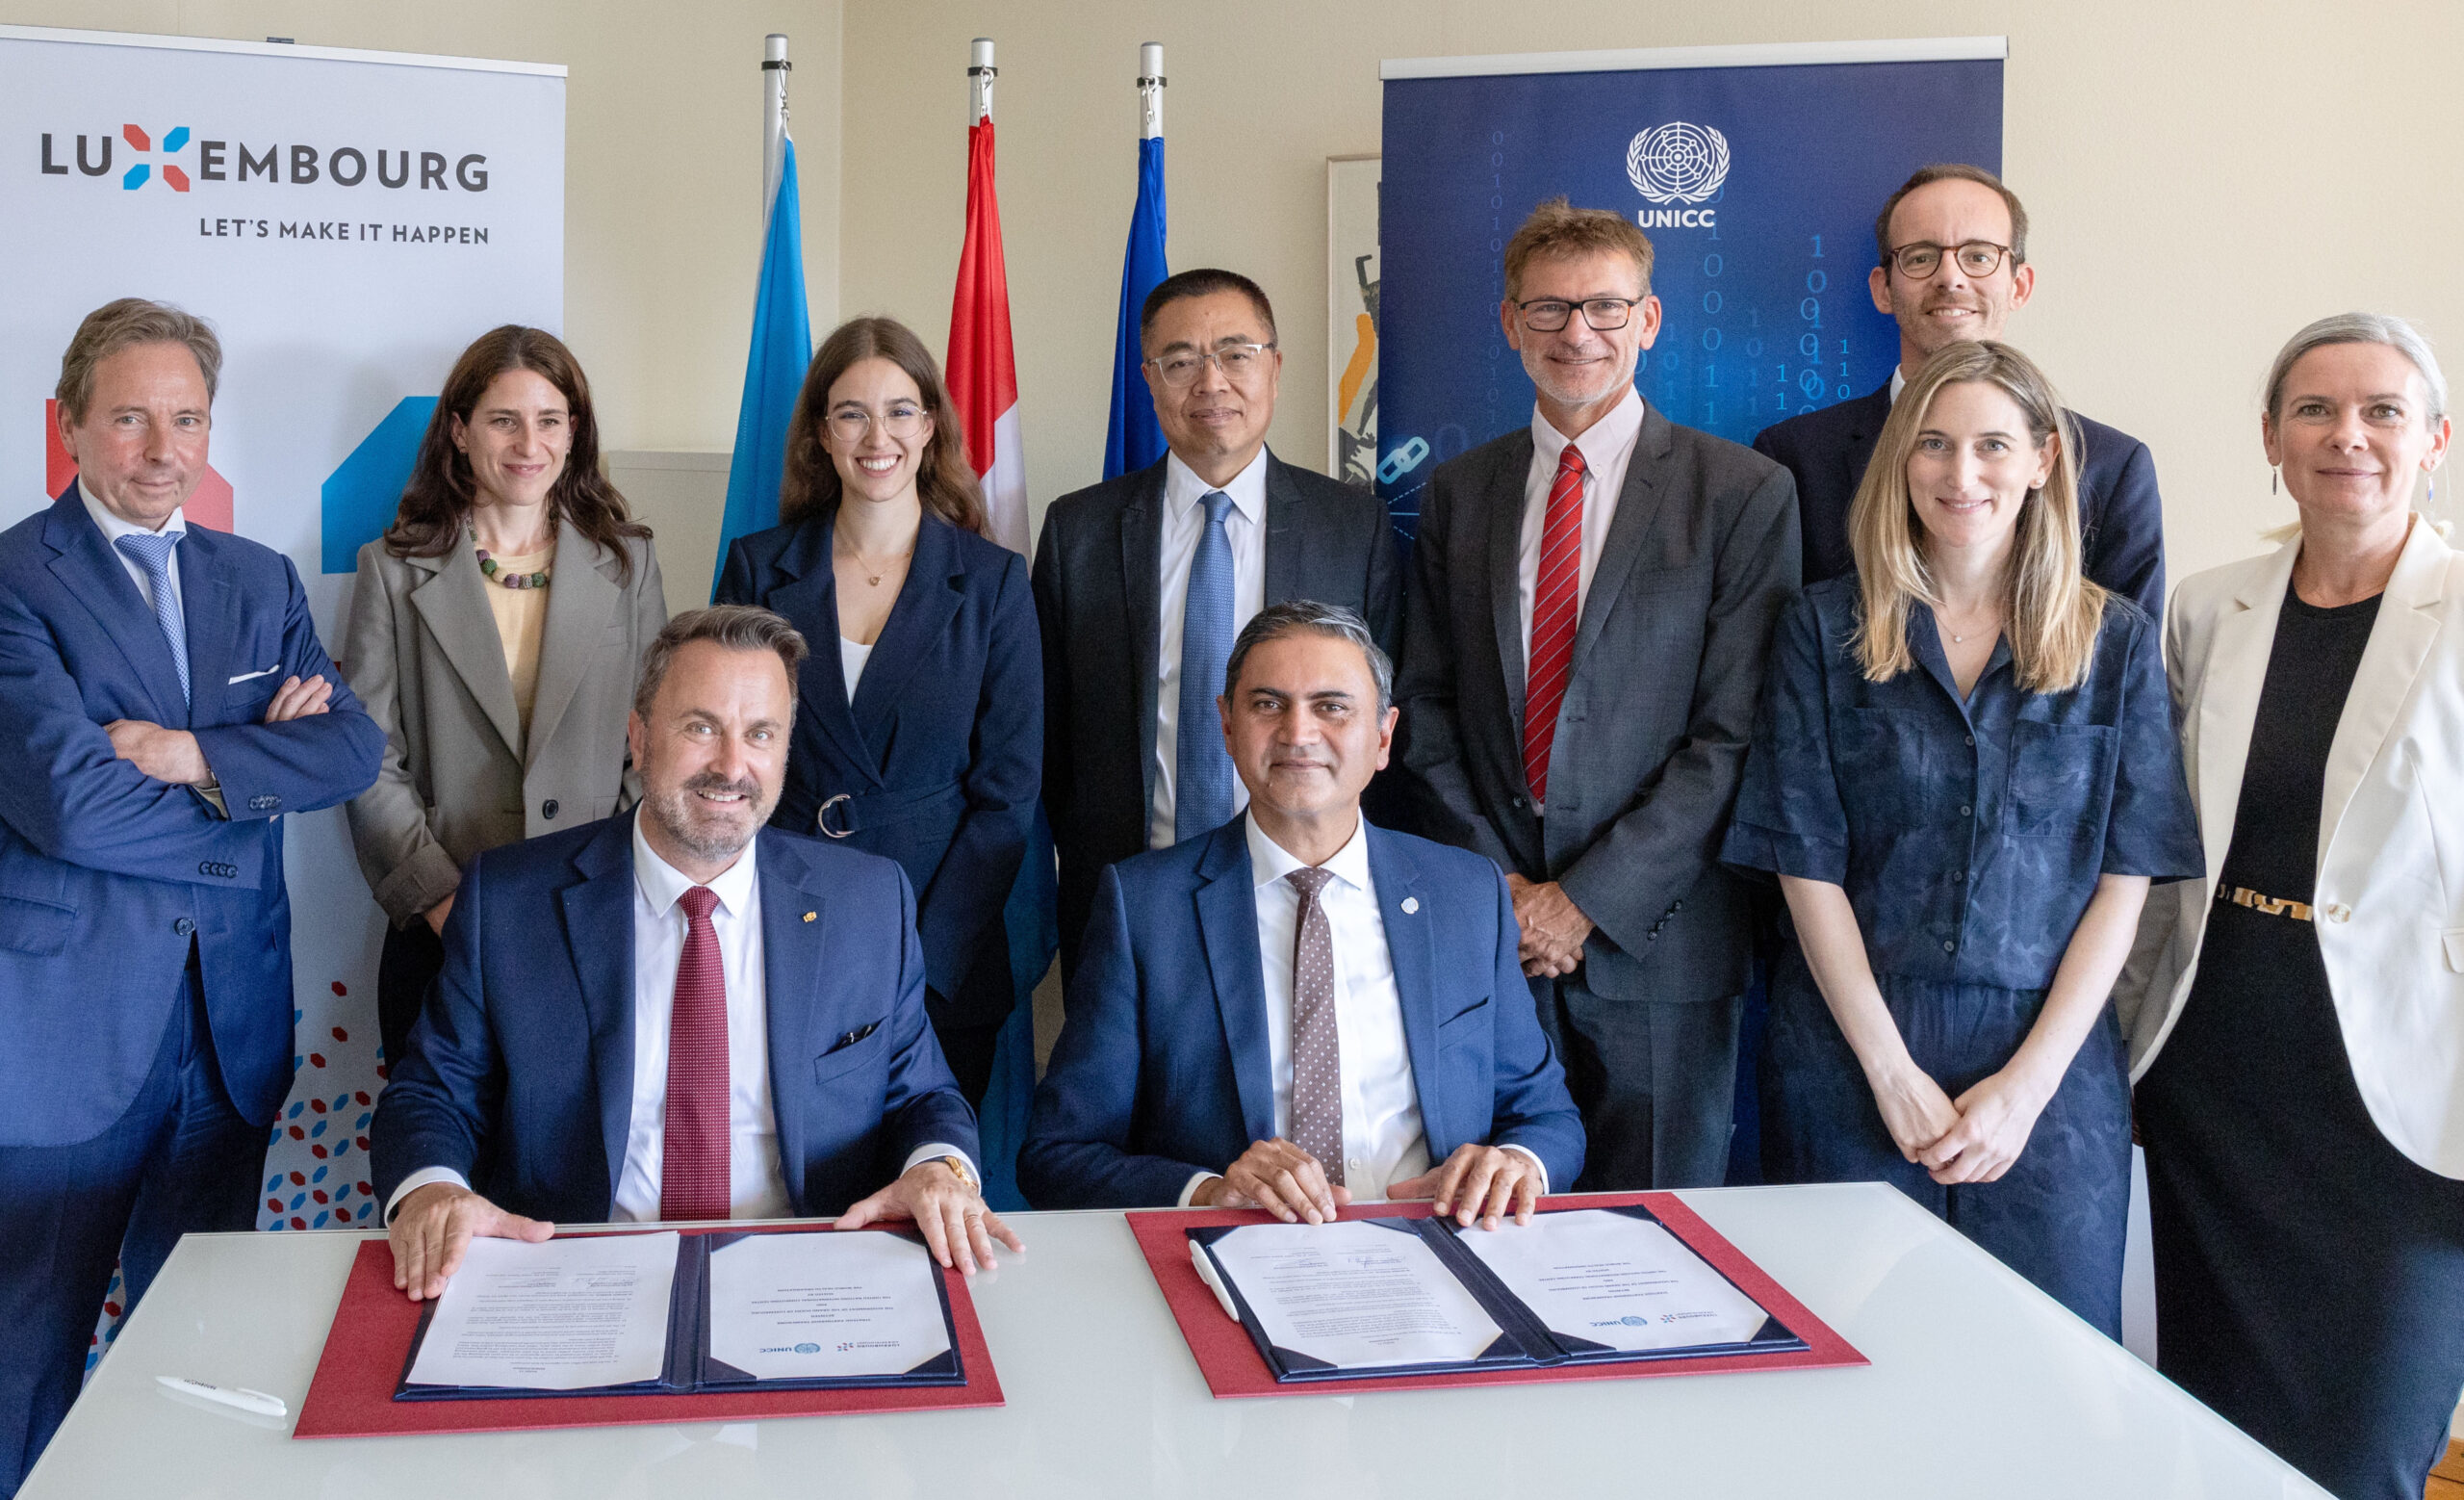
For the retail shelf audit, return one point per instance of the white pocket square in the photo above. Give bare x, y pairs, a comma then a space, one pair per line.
249, 676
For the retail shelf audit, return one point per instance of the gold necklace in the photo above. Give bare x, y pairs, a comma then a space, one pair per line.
872, 574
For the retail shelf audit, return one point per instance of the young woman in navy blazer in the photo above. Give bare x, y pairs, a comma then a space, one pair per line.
919, 721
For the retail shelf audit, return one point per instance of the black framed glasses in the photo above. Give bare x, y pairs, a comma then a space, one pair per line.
1976, 259
1549, 313
1239, 362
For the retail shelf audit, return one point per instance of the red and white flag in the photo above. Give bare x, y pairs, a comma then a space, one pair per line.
984, 371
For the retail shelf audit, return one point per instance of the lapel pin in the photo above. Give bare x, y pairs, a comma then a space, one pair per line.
809, 916
1411, 905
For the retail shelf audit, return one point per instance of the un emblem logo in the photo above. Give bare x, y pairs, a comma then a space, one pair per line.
1678, 162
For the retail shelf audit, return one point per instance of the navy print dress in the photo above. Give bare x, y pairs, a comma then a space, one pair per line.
1969, 837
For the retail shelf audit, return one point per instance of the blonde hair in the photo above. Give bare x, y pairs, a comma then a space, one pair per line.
2054, 611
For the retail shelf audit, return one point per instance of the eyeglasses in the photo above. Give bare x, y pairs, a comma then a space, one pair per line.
1239, 362
1977, 258
1548, 314
904, 421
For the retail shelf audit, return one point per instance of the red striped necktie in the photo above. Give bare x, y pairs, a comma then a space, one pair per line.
693, 1162
1555, 610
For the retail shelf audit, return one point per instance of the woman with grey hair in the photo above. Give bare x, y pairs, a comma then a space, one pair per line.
2296, 1019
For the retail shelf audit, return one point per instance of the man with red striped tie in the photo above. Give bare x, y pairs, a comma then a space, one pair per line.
1588, 611
678, 1013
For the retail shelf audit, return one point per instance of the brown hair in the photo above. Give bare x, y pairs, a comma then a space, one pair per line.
1557, 227
730, 627
944, 481
123, 324
1954, 172
437, 500
2054, 611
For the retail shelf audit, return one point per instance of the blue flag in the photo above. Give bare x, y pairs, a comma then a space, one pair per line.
1132, 440
773, 373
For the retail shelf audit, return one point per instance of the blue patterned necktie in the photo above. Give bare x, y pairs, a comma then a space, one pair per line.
1202, 772
153, 553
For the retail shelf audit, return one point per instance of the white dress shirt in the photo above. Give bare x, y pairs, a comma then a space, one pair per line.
1607, 447
756, 1187
1184, 523
1384, 1139
1898, 383
114, 529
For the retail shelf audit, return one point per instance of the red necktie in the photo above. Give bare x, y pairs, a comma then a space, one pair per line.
693, 1165
1553, 615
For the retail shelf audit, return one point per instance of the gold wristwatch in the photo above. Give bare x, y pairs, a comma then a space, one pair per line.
965, 1172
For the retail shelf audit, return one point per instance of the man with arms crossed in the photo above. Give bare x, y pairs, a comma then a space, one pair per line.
1953, 243
1301, 1010
678, 1013
1141, 582
1590, 605
163, 701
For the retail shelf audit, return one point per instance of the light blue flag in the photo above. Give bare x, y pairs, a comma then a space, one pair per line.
773, 373
1132, 440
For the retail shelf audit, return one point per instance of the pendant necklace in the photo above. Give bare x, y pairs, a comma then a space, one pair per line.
872, 574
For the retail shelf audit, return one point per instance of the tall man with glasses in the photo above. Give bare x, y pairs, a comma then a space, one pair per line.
1589, 610
1952, 264
1142, 581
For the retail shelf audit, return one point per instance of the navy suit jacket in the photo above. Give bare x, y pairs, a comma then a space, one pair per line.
2122, 518
1161, 1070
107, 875
519, 1073
940, 756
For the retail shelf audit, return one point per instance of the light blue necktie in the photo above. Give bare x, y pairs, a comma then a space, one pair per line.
1202, 776
153, 553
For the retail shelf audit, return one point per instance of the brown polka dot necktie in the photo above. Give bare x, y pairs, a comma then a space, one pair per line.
1317, 1051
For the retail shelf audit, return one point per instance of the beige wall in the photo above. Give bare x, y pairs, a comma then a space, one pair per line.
2203, 178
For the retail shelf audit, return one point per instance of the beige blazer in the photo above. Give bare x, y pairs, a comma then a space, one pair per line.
2390, 895
421, 649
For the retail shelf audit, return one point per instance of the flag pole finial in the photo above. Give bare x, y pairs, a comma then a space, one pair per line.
980, 74
775, 68
1151, 90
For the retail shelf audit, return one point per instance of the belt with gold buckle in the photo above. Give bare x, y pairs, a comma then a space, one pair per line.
2244, 895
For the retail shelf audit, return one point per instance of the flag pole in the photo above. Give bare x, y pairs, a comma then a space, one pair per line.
775, 68
1151, 90
980, 74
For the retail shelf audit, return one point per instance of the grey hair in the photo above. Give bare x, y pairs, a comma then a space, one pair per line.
2359, 328
1294, 616
734, 627
123, 324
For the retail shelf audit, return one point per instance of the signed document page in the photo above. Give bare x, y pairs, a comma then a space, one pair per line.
823, 1305
1354, 1294
568, 1314
1615, 1279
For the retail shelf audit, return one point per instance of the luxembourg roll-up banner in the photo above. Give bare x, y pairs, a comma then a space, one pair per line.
349, 221
1754, 170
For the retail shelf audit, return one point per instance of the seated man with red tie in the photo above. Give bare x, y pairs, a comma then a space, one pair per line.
678, 1013
1301, 1010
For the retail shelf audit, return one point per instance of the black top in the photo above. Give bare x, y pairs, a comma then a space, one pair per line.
2310, 672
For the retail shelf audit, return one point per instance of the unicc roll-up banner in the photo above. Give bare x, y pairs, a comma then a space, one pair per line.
1756, 172
349, 221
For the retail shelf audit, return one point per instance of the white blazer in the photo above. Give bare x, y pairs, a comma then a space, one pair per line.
2390, 895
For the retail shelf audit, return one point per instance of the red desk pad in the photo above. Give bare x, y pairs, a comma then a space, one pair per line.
352, 1392
1233, 1367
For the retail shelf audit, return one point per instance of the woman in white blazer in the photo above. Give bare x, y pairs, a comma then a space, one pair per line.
2296, 1019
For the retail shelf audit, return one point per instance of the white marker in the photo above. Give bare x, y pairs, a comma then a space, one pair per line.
245, 1400
1206, 1274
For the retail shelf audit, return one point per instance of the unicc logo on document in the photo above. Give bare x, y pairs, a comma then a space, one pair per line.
1678, 162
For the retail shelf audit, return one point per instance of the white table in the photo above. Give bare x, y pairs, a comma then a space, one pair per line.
1980, 1385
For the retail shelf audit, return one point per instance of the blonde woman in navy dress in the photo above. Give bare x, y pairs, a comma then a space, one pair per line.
1964, 777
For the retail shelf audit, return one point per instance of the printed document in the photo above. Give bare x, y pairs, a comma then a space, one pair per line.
1617, 1280
564, 1315
790, 1306
1354, 1295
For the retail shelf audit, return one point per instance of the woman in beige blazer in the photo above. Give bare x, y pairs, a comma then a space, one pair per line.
494, 634
2296, 1019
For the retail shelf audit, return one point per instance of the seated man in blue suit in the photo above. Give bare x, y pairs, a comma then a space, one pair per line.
678, 1013
1952, 251
163, 700
1301, 1010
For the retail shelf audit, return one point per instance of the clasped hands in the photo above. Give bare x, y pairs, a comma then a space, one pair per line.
1973, 1138
435, 1225
1483, 1182
1553, 928
172, 755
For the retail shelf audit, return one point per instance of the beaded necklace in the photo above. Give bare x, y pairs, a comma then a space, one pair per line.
488, 566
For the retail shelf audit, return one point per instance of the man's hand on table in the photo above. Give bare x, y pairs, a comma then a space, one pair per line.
952, 1215
1279, 1178
432, 1228
1483, 1182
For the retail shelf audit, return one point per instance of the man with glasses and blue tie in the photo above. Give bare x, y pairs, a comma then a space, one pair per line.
1142, 581
1952, 264
163, 701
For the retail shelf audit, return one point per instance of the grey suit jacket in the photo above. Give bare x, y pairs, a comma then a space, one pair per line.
1096, 582
421, 651
1700, 560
